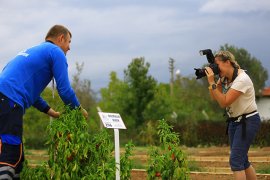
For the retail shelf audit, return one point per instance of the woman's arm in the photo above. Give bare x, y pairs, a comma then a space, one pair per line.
224, 100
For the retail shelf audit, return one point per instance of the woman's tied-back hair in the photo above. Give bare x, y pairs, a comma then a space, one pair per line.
56, 31
226, 55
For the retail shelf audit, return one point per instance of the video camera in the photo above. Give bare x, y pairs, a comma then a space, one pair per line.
211, 59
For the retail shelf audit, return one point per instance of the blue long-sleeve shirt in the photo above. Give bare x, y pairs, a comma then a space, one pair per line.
27, 75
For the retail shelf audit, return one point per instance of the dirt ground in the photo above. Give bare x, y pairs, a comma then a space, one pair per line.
214, 160
142, 175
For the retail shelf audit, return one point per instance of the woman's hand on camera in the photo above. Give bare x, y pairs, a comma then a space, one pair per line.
210, 75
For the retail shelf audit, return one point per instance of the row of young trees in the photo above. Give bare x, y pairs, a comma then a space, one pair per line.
140, 98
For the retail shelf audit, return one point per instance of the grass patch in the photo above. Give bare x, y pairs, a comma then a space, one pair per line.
263, 169
137, 164
193, 166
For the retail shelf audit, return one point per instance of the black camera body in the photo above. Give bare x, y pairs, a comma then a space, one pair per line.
211, 60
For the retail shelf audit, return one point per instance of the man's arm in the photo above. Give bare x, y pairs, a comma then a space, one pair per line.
42, 106
60, 73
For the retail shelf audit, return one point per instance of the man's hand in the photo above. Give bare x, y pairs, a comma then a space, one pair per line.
53, 113
84, 112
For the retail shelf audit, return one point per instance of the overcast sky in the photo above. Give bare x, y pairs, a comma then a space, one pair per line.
108, 34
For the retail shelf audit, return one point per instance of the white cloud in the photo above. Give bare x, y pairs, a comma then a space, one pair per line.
235, 6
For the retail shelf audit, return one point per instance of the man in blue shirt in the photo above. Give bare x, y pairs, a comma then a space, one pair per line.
21, 83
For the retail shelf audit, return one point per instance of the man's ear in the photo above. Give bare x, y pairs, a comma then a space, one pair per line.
61, 38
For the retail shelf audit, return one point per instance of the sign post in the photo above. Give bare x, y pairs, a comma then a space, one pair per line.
114, 121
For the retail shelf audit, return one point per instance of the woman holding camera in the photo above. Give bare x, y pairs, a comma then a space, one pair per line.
234, 91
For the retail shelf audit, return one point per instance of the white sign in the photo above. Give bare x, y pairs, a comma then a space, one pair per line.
112, 120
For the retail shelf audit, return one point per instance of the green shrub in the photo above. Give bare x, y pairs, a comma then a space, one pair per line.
74, 153
169, 161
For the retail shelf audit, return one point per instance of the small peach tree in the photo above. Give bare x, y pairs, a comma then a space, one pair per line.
168, 161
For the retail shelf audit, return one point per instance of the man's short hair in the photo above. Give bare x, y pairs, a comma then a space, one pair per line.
56, 31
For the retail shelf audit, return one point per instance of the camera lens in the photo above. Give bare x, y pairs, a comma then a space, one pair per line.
201, 52
200, 73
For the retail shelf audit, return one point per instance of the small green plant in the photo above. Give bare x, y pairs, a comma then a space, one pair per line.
39, 172
125, 162
167, 162
74, 153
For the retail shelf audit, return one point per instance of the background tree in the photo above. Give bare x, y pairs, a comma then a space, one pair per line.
161, 106
114, 99
86, 96
254, 68
83, 90
192, 101
142, 87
